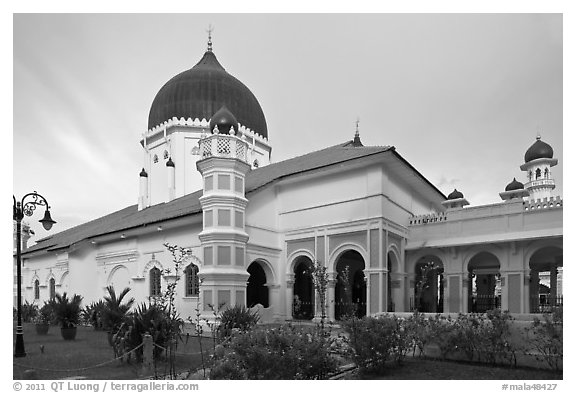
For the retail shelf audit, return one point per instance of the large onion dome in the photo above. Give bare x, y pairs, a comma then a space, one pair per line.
201, 91
538, 149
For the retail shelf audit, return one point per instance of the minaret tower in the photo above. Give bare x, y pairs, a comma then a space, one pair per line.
223, 165
538, 161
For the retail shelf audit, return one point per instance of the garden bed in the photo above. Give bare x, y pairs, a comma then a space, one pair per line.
432, 369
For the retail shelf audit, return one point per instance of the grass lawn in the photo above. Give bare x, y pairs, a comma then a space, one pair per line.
78, 358
418, 369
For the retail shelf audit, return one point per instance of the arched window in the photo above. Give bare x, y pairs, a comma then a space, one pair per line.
52, 288
192, 283
530, 175
538, 173
155, 158
256, 164
165, 154
155, 281
36, 289
546, 173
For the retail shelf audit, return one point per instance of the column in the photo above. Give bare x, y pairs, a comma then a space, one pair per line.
553, 285
331, 297
289, 295
534, 291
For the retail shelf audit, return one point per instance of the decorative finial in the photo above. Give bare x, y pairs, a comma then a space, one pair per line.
356, 142
538, 129
209, 31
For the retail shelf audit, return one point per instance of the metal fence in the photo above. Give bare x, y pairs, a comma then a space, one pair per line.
545, 303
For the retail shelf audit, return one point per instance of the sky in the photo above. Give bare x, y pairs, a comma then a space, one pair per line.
460, 96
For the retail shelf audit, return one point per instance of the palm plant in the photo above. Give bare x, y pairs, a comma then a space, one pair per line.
115, 311
67, 310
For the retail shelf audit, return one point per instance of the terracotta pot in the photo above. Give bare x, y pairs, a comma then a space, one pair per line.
68, 333
42, 328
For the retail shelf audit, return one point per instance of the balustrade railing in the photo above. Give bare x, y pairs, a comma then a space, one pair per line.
226, 146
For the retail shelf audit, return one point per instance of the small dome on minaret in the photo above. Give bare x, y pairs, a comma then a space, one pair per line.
143, 173
224, 120
455, 195
170, 162
538, 150
514, 185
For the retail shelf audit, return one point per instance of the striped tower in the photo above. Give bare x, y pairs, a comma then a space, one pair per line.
223, 164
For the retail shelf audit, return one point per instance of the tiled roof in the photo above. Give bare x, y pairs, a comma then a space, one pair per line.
130, 217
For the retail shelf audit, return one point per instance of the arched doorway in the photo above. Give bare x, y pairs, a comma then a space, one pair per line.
428, 285
350, 291
546, 275
484, 290
256, 290
303, 303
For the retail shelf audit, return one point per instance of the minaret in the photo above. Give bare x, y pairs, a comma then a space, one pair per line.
143, 198
223, 164
537, 163
171, 168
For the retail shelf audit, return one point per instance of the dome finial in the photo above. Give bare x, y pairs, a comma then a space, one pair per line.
357, 142
209, 31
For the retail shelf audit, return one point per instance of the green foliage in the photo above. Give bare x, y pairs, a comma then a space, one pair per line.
285, 353
45, 314
66, 310
237, 317
484, 338
92, 314
114, 311
152, 319
29, 311
375, 342
546, 339
419, 330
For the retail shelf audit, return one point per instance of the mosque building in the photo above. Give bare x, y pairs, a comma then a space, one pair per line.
391, 240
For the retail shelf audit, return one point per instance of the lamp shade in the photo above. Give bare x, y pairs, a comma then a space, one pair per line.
47, 221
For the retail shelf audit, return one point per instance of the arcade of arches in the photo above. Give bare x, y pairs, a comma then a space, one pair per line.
436, 282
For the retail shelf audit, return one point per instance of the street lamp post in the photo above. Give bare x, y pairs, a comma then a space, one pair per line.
19, 209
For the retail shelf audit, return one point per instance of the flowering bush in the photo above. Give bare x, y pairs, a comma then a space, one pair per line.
285, 352
545, 338
376, 341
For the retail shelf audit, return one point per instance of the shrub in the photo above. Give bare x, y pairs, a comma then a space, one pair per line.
545, 338
376, 341
419, 332
496, 339
285, 352
237, 317
442, 332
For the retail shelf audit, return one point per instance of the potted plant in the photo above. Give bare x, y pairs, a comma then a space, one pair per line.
113, 312
44, 318
67, 314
